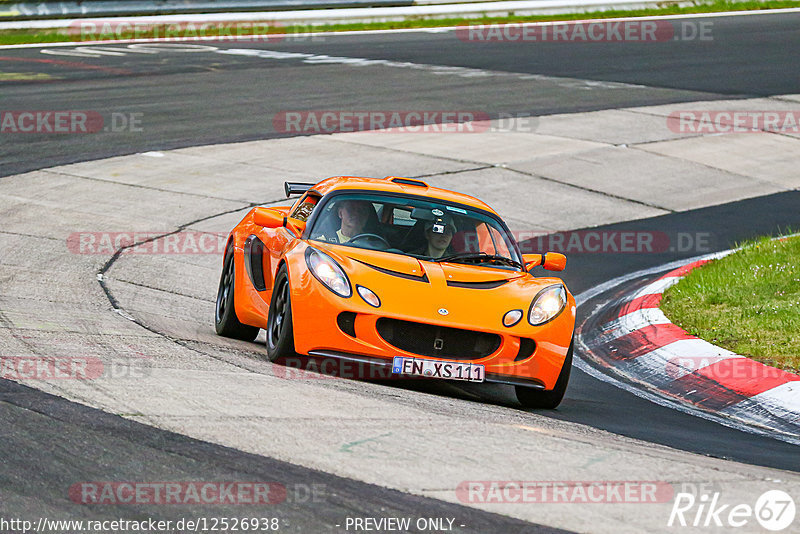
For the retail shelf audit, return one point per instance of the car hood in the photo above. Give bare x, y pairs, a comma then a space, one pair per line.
470, 295
457, 273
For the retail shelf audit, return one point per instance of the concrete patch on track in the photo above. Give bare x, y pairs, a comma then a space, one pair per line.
184, 378
765, 157
750, 150
672, 182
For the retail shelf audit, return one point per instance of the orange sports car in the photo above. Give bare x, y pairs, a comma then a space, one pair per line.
392, 272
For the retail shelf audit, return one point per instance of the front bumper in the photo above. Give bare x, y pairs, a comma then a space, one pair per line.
386, 366
317, 332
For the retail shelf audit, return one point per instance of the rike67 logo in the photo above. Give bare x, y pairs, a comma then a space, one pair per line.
774, 510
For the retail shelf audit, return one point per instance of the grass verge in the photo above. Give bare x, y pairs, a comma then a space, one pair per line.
8, 37
747, 302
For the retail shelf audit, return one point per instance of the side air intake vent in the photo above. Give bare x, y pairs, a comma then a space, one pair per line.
347, 323
526, 349
254, 262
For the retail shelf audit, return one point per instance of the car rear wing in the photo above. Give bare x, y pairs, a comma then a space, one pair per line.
296, 188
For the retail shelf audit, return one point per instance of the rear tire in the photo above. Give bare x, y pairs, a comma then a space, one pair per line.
280, 330
536, 398
225, 321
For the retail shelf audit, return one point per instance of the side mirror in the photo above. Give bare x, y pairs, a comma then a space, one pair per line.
552, 261
267, 217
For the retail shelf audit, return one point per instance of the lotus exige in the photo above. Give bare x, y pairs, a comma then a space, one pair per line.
396, 273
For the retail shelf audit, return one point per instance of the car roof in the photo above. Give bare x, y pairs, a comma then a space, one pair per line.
397, 184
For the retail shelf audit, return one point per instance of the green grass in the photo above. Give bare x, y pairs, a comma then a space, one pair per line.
52, 36
747, 302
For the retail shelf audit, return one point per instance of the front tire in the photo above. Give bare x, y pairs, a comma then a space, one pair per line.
536, 398
225, 321
280, 331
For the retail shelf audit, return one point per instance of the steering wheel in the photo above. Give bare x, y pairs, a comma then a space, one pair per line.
370, 236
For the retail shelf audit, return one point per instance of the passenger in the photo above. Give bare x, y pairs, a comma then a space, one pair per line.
438, 237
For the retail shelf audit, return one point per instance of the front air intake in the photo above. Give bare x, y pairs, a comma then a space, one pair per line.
437, 341
347, 323
526, 349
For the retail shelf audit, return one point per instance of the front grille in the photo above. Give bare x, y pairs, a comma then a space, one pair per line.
437, 341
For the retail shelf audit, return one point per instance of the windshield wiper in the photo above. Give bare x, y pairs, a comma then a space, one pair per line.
480, 256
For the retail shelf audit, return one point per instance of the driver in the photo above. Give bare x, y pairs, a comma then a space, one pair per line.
353, 216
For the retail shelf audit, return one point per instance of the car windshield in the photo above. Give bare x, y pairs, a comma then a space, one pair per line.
428, 229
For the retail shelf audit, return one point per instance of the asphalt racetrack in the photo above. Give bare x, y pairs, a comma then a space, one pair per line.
223, 92
203, 98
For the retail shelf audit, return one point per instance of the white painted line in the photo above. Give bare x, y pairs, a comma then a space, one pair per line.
135, 48
464, 72
183, 48
85, 51
271, 16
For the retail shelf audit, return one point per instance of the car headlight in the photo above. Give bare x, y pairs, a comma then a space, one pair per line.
547, 305
326, 270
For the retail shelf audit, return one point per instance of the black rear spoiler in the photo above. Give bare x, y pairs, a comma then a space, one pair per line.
296, 188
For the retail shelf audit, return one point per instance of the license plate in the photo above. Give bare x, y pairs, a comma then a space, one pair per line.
470, 372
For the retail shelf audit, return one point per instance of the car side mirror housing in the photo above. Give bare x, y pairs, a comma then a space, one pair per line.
296, 225
267, 217
552, 261
531, 261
